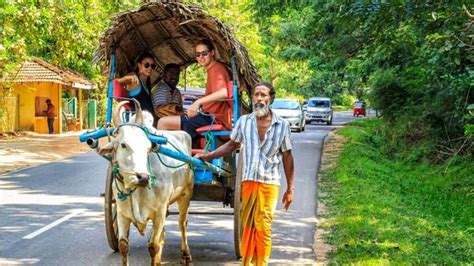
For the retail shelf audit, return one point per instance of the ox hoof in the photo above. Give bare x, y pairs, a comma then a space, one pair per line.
123, 246
151, 250
186, 259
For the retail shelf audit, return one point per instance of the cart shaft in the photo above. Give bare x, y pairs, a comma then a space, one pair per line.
193, 161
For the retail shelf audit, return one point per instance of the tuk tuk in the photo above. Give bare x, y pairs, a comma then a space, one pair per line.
359, 108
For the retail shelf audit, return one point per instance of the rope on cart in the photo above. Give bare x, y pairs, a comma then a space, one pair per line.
108, 134
208, 136
153, 177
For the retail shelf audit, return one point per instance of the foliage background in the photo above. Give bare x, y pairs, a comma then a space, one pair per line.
412, 60
65, 33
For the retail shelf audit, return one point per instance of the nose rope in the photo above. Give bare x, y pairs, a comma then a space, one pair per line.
120, 194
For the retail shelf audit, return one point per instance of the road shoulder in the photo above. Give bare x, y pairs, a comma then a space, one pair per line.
25, 150
333, 144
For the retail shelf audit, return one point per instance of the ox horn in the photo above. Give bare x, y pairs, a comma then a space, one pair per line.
117, 117
138, 113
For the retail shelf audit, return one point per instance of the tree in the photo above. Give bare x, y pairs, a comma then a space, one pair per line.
412, 58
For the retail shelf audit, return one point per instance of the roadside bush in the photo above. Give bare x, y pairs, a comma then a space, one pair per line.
344, 100
414, 60
388, 94
389, 211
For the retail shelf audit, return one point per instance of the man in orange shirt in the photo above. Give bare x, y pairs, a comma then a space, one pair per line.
214, 109
50, 115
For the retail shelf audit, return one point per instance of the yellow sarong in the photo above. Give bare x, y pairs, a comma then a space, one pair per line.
258, 206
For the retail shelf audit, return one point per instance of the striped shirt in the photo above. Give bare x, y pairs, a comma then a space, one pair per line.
262, 159
162, 94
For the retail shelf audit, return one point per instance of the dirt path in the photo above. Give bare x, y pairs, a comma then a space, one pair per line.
31, 149
333, 146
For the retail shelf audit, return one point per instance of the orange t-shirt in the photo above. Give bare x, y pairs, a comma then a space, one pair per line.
219, 77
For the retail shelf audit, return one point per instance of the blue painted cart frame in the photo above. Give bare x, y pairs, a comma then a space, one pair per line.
168, 30
230, 194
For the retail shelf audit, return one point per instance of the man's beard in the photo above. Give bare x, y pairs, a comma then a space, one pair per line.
261, 109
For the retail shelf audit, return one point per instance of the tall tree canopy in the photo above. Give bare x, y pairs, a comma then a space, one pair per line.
63, 32
412, 59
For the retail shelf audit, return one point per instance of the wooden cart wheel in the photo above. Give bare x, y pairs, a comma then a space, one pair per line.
110, 211
237, 198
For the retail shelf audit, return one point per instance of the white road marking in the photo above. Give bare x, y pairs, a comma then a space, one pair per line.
53, 224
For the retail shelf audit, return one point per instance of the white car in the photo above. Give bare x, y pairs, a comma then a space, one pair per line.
291, 111
319, 109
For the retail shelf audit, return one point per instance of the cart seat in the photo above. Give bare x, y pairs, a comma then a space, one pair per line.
119, 92
211, 133
215, 130
215, 127
223, 123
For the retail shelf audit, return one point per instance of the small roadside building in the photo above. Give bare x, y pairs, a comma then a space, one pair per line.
24, 94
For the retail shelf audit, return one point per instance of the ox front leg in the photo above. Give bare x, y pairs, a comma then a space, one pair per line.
123, 231
183, 205
157, 238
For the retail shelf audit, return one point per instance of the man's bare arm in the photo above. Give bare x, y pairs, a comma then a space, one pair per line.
288, 166
225, 149
215, 96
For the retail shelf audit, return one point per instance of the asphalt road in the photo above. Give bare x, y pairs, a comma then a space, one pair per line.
53, 215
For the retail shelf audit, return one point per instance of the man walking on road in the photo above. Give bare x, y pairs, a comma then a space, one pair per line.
266, 142
50, 115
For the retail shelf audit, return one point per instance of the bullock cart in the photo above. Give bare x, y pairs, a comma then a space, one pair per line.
168, 30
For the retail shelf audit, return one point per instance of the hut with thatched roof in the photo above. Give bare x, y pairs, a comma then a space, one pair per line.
24, 92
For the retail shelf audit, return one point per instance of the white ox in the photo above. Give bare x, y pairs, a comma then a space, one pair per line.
132, 155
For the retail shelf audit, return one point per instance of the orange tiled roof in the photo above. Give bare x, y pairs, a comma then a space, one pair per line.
38, 70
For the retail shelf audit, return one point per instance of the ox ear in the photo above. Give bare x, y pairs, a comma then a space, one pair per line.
107, 148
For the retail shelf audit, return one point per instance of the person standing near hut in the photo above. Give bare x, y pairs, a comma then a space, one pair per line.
214, 109
266, 142
50, 116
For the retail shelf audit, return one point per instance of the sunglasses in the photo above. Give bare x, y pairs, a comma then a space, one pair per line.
147, 65
203, 53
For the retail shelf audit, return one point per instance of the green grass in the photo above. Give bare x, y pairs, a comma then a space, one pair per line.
386, 212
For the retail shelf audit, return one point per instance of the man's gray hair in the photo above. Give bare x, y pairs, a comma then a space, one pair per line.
269, 86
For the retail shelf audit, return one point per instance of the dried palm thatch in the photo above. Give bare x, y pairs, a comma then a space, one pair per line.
168, 30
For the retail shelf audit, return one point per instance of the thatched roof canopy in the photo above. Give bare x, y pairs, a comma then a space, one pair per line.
169, 30
39, 70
